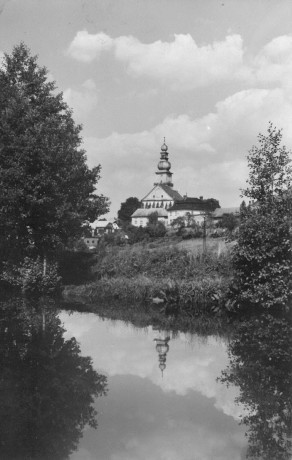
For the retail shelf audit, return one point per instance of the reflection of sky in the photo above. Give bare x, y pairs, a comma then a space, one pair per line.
186, 415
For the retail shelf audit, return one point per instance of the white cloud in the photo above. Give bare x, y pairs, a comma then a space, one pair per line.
181, 63
86, 47
274, 62
82, 100
184, 65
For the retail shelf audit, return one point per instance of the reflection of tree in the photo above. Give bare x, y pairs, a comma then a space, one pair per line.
261, 366
47, 389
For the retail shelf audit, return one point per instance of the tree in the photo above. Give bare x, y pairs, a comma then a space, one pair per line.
228, 221
263, 258
47, 189
155, 228
128, 208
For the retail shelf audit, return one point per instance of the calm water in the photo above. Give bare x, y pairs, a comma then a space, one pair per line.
154, 396
183, 414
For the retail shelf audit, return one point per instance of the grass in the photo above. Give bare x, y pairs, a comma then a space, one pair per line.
172, 281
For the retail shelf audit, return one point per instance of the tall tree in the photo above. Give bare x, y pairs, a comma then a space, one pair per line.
47, 189
263, 255
127, 208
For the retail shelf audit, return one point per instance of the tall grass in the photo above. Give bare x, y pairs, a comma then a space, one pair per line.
172, 281
167, 262
189, 297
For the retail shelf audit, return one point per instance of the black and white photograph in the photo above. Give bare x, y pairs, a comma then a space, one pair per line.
145, 230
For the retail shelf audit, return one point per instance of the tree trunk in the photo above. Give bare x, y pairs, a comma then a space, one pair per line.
45, 266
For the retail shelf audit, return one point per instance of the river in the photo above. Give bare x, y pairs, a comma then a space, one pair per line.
154, 394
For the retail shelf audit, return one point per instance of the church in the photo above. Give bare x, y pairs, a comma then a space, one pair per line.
167, 202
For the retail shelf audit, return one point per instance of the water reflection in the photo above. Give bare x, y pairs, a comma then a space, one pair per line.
162, 349
182, 416
261, 366
47, 389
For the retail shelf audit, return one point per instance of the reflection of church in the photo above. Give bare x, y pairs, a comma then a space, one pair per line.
162, 349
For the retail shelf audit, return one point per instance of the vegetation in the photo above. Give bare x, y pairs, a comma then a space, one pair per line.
127, 209
262, 258
177, 281
47, 189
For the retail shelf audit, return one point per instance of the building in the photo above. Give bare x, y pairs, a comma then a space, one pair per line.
101, 226
91, 241
167, 202
161, 197
196, 208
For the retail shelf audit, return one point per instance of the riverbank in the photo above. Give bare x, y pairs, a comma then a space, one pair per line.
177, 280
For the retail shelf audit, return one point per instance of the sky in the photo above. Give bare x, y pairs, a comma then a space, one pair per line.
207, 75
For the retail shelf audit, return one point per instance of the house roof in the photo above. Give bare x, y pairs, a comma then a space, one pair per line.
142, 212
101, 224
219, 212
173, 194
192, 204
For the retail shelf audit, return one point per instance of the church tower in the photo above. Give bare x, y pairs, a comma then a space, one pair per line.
163, 173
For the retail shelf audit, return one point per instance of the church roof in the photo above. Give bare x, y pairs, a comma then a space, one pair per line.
142, 212
173, 194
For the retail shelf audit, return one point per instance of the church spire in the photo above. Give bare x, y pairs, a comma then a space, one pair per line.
163, 173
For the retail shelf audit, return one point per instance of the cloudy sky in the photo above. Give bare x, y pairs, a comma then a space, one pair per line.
208, 75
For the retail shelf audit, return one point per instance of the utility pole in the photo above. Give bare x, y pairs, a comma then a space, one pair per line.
204, 235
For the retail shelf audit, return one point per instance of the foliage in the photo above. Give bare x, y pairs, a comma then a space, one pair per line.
161, 263
180, 297
47, 190
155, 228
261, 366
135, 234
262, 258
178, 223
75, 267
128, 208
228, 221
29, 277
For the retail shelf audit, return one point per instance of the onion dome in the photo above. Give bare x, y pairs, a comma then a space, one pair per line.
164, 165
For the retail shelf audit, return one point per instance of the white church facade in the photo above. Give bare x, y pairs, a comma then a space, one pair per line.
167, 202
